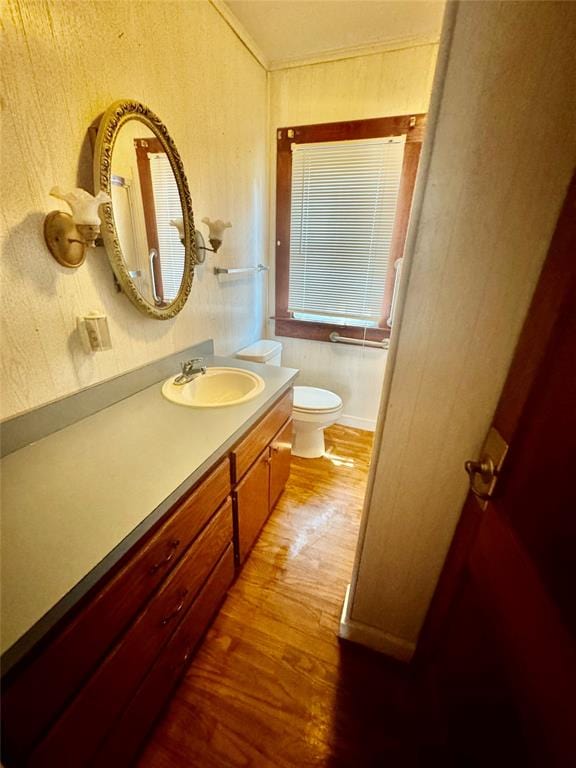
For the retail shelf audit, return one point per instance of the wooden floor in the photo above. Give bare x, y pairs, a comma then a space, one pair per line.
272, 685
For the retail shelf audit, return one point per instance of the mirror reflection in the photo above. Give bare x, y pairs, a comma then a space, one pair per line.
145, 199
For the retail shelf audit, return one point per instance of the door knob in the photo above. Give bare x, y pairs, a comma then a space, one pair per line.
483, 475
483, 469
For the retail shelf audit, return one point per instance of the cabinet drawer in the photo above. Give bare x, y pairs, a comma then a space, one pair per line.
39, 692
76, 735
251, 505
249, 449
130, 731
281, 457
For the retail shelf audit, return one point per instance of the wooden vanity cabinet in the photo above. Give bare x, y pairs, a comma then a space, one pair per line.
56, 702
260, 437
131, 730
34, 694
280, 459
76, 735
90, 692
252, 505
260, 477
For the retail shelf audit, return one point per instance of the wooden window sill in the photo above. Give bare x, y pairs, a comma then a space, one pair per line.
305, 329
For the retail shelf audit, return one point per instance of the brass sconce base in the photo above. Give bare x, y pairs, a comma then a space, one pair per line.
201, 247
63, 239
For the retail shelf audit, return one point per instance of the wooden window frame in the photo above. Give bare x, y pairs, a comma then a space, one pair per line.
413, 127
143, 147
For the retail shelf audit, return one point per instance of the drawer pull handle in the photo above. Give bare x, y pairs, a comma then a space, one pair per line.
178, 666
187, 656
176, 610
172, 546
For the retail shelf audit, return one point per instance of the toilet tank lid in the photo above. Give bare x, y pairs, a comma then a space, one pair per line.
260, 351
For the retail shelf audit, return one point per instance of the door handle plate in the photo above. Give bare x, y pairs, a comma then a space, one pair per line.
483, 474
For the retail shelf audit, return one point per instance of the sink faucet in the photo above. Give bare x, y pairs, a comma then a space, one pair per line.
190, 369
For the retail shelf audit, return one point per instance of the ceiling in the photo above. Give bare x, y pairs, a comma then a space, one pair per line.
286, 32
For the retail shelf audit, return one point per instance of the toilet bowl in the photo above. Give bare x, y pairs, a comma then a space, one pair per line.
314, 409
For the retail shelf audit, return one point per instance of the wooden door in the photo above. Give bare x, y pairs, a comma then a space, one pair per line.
500, 637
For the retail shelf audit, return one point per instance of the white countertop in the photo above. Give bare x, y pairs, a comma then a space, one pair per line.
75, 501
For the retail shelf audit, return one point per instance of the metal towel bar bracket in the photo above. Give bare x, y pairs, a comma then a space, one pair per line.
240, 270
337, 339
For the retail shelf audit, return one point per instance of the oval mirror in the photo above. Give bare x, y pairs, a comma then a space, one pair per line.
147, 228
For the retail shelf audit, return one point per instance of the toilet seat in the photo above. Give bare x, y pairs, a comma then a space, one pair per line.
315, 400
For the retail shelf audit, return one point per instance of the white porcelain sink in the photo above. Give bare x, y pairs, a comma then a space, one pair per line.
215, 388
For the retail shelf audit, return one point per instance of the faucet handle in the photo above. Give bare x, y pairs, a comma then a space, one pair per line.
189, 366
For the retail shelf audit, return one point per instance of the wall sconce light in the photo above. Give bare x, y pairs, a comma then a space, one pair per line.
68, 236
215, 236
215, 232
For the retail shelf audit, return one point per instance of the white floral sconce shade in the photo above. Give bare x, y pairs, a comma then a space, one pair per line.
215, 236
216, 231
69, 235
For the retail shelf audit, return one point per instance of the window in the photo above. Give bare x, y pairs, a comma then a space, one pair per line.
167, 206
161, 204
343, 198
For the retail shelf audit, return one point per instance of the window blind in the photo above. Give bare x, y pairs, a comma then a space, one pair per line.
343, 207
168, 206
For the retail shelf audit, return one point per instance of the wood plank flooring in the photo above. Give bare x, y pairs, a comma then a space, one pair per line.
272, 685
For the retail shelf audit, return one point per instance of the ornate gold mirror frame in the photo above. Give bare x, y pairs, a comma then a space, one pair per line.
114, 118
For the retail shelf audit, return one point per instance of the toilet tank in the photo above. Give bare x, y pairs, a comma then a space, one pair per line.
263, 351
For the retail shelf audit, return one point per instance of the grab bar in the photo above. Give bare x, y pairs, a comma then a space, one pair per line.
154, 255
337, 339
240, 270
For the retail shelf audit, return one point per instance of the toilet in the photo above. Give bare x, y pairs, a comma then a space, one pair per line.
314, 409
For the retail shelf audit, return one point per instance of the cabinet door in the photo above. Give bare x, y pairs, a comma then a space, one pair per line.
128, 733
281, 456
243, 456
252, 504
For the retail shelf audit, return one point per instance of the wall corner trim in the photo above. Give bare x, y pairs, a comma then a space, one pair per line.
371, 637
240, 31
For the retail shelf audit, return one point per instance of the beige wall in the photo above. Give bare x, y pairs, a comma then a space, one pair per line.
63, 63
379, 85
503, 154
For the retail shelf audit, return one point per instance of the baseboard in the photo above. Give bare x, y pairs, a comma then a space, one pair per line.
357, 423
373, 638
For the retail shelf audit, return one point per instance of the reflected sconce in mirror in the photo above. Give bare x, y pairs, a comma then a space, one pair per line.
215, 236
69, 235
